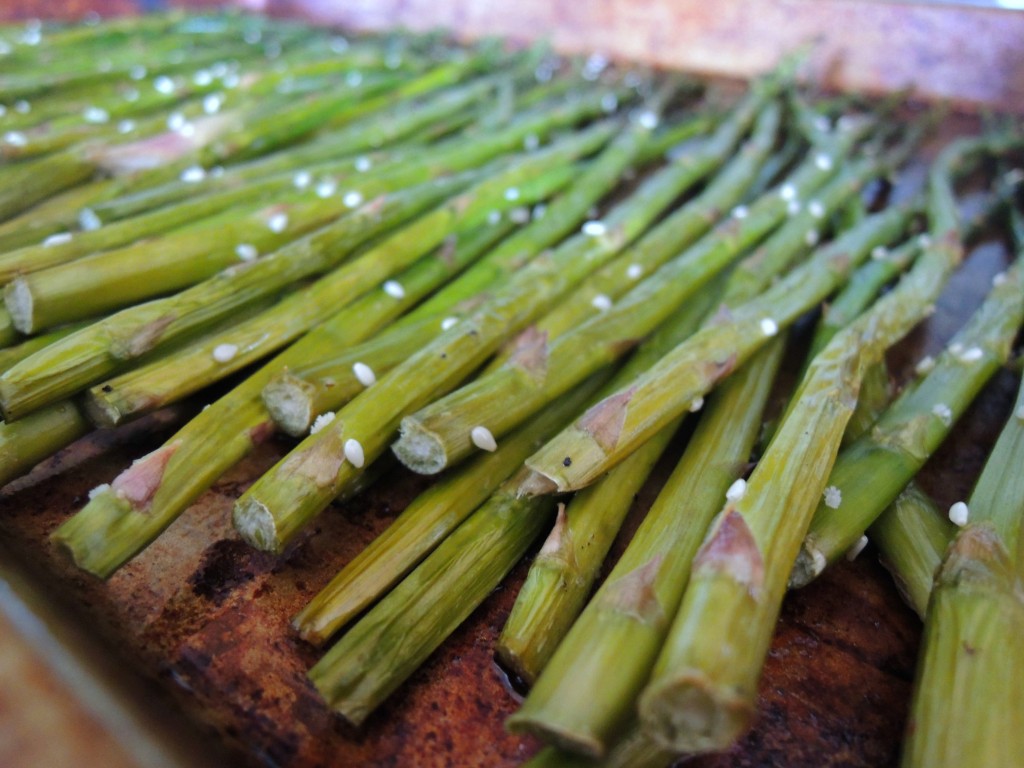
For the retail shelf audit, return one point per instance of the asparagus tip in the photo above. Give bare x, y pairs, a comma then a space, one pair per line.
419, 449
687, 713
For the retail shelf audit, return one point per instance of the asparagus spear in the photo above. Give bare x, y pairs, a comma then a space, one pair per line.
701, 692
425, 524
25, 443
563, 573
966, 705
110, 530
303, 483
174, 376
912, 428
94, 352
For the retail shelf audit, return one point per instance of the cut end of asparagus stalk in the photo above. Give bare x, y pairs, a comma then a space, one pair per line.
809, 565
690, 714
255, 524
90, 540
419, 449
289, 401
99, 410
18, 299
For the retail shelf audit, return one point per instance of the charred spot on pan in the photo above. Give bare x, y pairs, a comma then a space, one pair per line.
226, 565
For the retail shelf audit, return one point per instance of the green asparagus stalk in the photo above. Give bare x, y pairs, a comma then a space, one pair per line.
397, 635
425, 524
912, 537
563, 573
30, 182
702, 690
95, 352
912, 428
303, 483
53, 216
441, 434
197, 365
966, 705
25, 443
20, 351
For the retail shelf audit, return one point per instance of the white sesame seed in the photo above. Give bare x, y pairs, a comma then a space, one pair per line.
231, 80
193, 174
609, 103
483, 439
363, 164
956, 348
696, 404
394, 289
857, 548
879, 252
634, 271
137, 72
449, 322
278, 223
793, 207
823, 161
58, 239
942, 412
22, 107
971, 355
126, 126
88, 220
225, 353
737, 490
595, 64
832, 497
822, 124
647, 119
520, 215
203, 78
999, 279
213, 103
494, 217
364, 374
924, 240
164, 85
187, 130
15, 138
102, 488
539, 210
354, 453
816, 209
740, 212
924, 365
96, 115
769, 327
176, 121
787, 192
511, 194
354, 79
246, 251
531, 142
594, 228
326, 188
352, 199
812, 237
321, 421
601, 303
302, 179
958, 514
